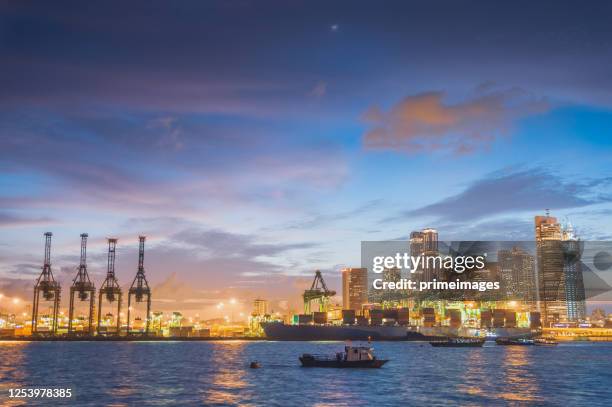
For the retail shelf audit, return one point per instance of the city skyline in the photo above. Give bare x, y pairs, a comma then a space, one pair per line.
251, 164
506, 275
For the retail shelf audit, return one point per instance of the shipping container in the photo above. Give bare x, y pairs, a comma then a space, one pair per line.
348, 316
486, 319
320, 317
535, 321
510, 319
499, 318
455, 317
403, 316
376, 317
304, 319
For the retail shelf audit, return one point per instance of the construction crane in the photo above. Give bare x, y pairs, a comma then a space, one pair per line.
140, 288
317, 297
84, 287
48, 287
110, 289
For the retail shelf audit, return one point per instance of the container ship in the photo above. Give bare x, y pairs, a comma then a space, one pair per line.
278, 331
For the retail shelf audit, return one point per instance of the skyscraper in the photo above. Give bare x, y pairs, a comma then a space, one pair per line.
517, 269
354, 288
551, 280
574, 283
430, 249
560, 282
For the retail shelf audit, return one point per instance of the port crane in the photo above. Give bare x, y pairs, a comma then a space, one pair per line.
110, 289
49, 288
140, 288
84, 288
317, 297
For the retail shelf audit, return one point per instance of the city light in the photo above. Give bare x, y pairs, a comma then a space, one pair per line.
232, 301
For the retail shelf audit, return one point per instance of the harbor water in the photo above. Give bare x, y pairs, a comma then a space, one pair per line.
218, 373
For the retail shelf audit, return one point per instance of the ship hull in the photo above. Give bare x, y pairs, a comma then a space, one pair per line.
371, 364
450, 344
282, 332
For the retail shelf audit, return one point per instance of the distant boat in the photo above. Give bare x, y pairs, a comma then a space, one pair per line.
458, 343
515, 341
353, 356
545, 342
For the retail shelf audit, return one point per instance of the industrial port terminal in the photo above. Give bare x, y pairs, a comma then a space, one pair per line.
97, 314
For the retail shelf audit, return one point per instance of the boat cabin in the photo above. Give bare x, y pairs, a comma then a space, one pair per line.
355, 353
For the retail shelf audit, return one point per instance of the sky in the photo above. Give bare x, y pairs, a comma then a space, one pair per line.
255, 142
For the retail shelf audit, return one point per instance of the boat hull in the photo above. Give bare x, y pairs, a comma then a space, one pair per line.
514, 342
342, 364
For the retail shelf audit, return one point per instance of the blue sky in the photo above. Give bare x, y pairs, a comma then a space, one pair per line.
253, 143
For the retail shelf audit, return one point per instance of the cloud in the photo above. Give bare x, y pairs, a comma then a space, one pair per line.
222, 244
9, 220
322, 219
425, 123
319, 90
509, 191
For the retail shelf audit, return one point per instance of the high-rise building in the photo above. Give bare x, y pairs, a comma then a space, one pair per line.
416, 244
551, 281
517, 274
430, 249
260, 307
424, 243
354, 288
416, 250
574, 283
560, 284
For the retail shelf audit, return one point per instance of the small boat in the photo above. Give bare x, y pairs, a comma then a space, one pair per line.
458, 343
545, 342
254, 365
515, 341
353, 356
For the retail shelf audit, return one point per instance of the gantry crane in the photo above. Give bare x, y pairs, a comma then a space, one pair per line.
110, 288
317, 295
49, 288
140, 288
84, 287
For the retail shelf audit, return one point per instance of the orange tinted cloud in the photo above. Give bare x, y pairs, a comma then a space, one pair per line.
425, 123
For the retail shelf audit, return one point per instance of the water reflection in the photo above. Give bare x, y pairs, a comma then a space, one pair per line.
520, 383
11, 374
476, 381
228, 384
